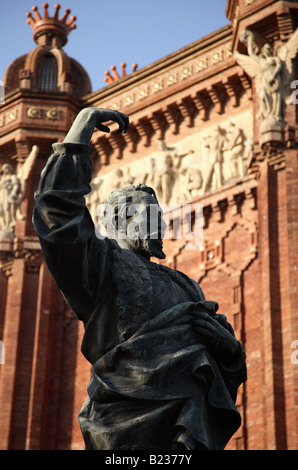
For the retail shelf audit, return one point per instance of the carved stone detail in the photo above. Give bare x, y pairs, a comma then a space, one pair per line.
132, 138
13, 186
218, 95
173, 117
6, 264
145, 130
201, 163
117, 142
203, 102
213, 253
34, 112
188, 110
272, 73
159, 124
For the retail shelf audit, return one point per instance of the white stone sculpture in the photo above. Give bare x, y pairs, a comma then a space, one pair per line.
213, 143
234, 148
190, 183
272, 73
168, 171
13, 188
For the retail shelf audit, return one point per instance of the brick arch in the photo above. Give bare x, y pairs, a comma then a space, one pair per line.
63, 66
35, 58
33, 64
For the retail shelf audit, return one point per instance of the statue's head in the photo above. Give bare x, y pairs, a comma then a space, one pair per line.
6, 169
133, 217
267, 50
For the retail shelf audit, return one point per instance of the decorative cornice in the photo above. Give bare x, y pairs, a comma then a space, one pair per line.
200, 51
169, 117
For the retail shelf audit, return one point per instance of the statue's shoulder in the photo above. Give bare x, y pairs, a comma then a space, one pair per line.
184, 281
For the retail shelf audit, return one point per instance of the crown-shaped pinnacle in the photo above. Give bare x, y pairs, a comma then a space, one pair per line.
57, 8
36, 13
46, 13
113, 78
39, 23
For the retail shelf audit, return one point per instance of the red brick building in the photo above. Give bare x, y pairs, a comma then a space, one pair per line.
233, 133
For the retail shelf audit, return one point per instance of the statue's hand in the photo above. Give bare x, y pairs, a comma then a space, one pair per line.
104, 115
88, 118
215, 333
245, 36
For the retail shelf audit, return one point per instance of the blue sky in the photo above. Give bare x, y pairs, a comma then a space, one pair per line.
114, 31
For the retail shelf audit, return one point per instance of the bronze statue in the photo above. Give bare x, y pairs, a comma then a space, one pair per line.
165, 366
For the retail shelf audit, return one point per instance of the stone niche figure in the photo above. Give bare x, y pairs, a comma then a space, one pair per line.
13, 186
272, 73
166, 174
165, 366
10, 195
149, 176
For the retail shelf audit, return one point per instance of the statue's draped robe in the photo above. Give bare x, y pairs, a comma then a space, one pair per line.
153, 383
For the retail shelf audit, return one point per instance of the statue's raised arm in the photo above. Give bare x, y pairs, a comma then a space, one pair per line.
61, 218
90, 118
251, 62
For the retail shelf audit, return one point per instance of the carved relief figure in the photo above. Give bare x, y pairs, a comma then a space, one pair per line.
235, 148
10, 197
117, 179
190, 182
149, 176
128, 178
272, 73
166, 175
168, 172
12, 191
181, 174
212, 154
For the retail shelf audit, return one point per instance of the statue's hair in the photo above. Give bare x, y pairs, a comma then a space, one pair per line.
120, 200
128, 192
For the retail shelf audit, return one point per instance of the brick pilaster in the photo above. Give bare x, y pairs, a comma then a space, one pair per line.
11, 333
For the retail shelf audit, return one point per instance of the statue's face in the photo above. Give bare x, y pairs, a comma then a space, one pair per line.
145, 226
6, 170
138, 222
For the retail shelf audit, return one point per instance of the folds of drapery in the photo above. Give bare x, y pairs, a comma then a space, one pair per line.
159, 381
